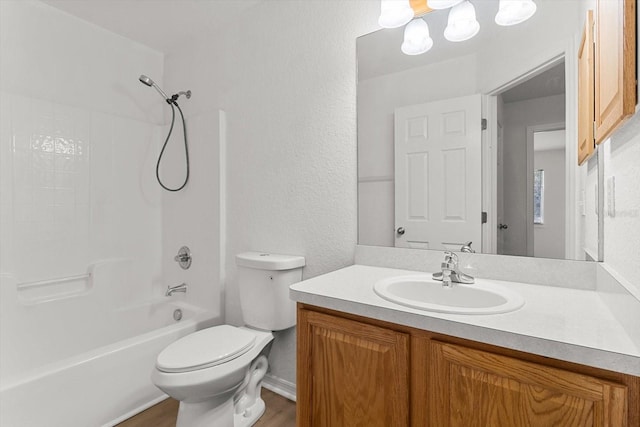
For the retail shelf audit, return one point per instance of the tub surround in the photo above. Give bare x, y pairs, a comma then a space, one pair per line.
110, 382
566, 317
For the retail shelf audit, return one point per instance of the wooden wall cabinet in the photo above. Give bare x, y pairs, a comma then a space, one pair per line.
615, 65
607, 78
586, 83
354, 371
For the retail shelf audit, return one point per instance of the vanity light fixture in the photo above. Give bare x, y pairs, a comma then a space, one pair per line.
461, 25
416, 38
443, 4
395, 13
512, 12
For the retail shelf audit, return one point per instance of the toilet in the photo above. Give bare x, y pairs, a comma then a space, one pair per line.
216, 373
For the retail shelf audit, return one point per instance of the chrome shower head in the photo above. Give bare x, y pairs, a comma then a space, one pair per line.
147, 81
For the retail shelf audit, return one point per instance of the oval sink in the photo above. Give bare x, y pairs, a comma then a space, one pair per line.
424, 293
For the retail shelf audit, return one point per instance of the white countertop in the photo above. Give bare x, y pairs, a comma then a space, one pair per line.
564, 323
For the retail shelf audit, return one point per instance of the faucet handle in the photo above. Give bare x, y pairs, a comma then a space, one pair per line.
450, 257
448, 266
446, 277
467, 248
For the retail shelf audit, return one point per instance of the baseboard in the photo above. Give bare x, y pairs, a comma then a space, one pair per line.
136, 411
279, 386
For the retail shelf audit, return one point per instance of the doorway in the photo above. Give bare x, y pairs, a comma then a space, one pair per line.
531, 110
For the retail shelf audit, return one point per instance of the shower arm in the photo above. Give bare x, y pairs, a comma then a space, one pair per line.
175, 97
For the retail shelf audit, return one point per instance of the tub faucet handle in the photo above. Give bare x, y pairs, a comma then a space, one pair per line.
184, 257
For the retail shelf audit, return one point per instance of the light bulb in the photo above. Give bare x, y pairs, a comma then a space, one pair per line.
394, 13
442, 4
462, 23
416, 38
512, 12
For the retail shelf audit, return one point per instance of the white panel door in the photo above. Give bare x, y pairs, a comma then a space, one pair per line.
438, 181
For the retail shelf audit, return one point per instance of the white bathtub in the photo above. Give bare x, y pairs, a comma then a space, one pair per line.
102, 386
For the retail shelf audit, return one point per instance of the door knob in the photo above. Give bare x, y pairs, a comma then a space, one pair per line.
400, 231
503, 226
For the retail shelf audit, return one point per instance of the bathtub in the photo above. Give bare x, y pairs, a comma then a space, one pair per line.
101, 386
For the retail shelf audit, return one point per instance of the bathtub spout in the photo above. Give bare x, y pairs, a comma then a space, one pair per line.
178, 288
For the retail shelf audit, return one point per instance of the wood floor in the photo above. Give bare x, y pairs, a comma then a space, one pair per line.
281, 412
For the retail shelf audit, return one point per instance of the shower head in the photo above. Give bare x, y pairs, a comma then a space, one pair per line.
147, 81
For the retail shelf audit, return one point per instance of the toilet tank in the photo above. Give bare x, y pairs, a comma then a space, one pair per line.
263, 282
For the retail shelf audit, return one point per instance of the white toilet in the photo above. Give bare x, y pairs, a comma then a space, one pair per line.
216, 373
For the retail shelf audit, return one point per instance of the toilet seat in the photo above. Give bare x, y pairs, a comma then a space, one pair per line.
206, 348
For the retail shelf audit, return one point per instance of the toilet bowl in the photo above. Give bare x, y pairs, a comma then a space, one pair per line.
216, 373
204, 380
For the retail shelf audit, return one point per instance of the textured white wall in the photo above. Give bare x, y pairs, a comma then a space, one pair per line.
286, 77
622, 229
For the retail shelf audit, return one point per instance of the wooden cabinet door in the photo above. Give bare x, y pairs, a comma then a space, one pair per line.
350, 373
475, 388
615, 67
585, 92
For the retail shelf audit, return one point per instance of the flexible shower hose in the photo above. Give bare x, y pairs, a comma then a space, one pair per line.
172, 102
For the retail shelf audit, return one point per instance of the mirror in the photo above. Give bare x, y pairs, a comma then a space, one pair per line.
474, 141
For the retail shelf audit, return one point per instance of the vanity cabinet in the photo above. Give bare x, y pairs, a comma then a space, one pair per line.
355, 371
479, 388
355, 374
607, 93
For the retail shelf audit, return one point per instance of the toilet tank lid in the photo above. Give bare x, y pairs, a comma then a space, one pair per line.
267, 261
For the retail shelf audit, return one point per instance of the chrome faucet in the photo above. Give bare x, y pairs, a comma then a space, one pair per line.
177, 288
450, 272
466, 248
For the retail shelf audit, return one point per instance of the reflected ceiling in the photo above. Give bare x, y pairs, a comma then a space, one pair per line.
548, 83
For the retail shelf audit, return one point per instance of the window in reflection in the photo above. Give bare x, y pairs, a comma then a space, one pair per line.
538, 196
